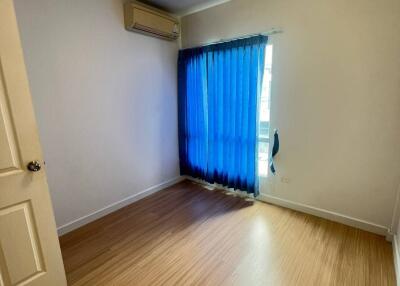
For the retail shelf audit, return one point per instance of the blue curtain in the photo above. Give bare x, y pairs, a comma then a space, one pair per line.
219, 90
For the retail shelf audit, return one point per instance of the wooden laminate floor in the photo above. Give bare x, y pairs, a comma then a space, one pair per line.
188, 235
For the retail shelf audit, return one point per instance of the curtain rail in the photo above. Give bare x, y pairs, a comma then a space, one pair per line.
267, 33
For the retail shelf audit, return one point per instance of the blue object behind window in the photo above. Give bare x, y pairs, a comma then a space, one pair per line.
219, 90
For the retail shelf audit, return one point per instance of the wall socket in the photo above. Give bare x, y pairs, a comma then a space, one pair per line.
285, 180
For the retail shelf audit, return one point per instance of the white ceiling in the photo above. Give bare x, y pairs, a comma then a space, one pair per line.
184, 7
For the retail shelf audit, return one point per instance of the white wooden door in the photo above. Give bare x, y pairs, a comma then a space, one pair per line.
29, 248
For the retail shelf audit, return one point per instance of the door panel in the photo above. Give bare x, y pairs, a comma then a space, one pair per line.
9, 159
23, 258
29, 249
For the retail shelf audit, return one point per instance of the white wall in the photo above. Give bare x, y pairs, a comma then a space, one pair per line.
105, 101
335, 98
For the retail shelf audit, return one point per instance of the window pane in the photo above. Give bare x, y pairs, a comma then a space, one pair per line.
263, 152
265, 106
264, 129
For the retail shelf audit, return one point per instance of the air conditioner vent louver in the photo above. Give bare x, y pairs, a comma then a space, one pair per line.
145, 19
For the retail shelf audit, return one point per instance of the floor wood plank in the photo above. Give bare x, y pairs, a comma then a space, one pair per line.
188, 235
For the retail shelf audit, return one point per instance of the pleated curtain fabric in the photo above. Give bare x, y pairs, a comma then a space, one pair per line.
219, 88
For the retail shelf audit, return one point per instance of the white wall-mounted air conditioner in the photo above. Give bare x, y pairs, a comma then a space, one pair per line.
146, 19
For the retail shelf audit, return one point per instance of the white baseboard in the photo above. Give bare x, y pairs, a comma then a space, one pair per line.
333, 216
396, 257
115, 206
329, 215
